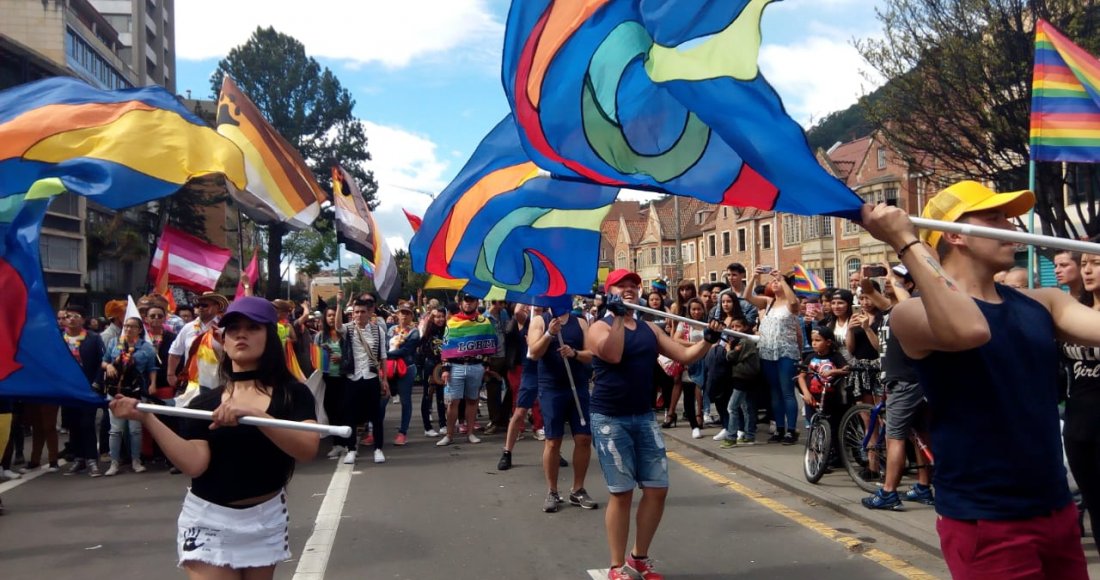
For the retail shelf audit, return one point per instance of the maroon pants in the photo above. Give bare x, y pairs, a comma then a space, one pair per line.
1042, 547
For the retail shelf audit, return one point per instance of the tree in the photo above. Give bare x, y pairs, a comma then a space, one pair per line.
314, 247
411, 282
958, 99
307, 106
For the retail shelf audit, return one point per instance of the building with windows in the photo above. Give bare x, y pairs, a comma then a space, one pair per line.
146, 37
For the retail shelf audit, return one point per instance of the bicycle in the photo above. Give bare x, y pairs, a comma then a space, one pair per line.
862, 439
819, 436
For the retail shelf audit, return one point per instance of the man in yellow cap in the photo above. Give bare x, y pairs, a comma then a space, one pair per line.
987, 357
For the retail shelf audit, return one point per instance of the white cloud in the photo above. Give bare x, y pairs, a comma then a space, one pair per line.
376, 31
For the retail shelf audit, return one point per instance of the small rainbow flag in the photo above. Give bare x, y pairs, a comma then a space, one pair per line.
1065, 100
318, 358
806, 283
368, 268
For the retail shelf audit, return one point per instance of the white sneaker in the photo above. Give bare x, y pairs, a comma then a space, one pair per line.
696, 433
474, 439
378, 456
137, 466
723, 434
337, 451
445, 441
431, 433
112, 470
540, 434
349, 459
9, 474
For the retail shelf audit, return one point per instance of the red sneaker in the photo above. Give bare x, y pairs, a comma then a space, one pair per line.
643, 568
462, 428
620, 573
400, 439
369, 439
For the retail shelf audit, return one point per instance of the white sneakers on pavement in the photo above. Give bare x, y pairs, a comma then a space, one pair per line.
112, 470
349, 459
9, 474
137, 466
722, 435
337, 451
378, 456
445, 441
431, 433
473, 439
696, 433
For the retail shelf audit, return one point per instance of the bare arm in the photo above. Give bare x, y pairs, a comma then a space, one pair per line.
672, 348
606, 341
173, 364
878, 298
584, 356
1074, 322
537, 340
191, 456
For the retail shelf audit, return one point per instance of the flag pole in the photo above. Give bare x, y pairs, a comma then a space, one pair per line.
1008, 235
691, 321
339, 267
1031, 226
335, 430
240, 246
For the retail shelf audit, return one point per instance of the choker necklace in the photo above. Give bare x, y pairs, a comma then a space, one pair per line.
253, 375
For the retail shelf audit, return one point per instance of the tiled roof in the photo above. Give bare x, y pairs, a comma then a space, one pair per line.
847, 157
689, 207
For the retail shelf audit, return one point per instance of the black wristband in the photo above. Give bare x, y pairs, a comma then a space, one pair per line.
905, 248
712, 336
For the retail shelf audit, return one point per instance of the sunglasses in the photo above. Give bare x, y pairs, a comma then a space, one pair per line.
155, 315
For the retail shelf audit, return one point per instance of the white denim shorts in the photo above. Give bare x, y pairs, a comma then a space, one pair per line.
253, 537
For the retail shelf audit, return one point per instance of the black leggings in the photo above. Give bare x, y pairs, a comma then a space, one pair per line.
1084, 462
426, 406
362, 402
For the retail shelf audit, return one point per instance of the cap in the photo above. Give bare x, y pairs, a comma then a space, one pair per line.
253, 308
660, 285
614, 278
464, 295
406, 307
115, 309
969, 196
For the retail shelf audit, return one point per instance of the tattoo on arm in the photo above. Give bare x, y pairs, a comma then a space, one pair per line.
942, 275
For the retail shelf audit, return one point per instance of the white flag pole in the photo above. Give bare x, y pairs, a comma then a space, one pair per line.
692, 321
1008, 235
335, 430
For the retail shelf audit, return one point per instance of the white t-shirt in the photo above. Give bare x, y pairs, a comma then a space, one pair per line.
373, 335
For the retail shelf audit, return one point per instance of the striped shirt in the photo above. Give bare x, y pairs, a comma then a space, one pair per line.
373, 335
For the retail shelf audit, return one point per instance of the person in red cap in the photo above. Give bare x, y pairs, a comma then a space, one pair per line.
239, 472
628, 438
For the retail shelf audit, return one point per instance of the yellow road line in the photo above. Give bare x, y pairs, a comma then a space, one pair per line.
877, 556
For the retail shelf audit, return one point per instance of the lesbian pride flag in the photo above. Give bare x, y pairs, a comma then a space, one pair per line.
192, 263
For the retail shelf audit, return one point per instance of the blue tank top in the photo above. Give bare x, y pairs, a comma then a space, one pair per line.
626, 388
994, 412
552, 373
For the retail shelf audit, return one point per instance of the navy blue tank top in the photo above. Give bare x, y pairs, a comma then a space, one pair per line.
994, 413
552, 366
626, 388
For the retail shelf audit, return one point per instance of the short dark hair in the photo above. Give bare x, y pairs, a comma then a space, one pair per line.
825, 332
186, 307
364, 300
705, 287
76, 309
737, 267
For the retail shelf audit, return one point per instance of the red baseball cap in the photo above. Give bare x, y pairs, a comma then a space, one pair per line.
614, 278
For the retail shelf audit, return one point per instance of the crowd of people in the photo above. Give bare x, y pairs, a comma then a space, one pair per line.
944, 336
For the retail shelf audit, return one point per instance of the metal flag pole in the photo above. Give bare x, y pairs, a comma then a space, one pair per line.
1031, 225
1008, 235
572, 383
691, 321
334, 430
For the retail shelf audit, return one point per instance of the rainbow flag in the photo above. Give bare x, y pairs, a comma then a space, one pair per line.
806, 283
319, 358
465, 337
1065, 100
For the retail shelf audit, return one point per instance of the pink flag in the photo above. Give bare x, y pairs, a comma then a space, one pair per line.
414, 220
192, 263
251, 274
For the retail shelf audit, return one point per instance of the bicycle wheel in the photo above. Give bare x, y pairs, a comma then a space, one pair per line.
816, 459
866, 466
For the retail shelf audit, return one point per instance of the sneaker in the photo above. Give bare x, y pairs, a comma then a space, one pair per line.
349, 458
473, 439
722, 435
112, 470
137, 466
77, 466
728, 443
880, 500
505, 462
379, 457
643, 568
580, 498
920, 494
462, 429
445, 441
790, 438
369, 440
431, 433
337, 451
696, 433
775, 438
622, 573
9, 474
562, 462
745, 441
477, 425
93, 469
492, 428
401, 439
550, 505
53, 467
540, 434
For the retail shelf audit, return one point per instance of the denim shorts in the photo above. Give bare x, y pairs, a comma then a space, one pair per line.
464, 383
631, 450
558, 406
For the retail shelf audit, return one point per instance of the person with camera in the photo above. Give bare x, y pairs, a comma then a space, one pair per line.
780, 349
628, 438
130, 370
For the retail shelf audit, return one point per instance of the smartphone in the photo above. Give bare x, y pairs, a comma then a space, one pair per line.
874, 271
766, 269
813, 309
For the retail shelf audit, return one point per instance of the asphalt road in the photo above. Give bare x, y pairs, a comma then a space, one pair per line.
433, 512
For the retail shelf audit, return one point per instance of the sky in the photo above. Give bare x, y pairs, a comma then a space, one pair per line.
425, 74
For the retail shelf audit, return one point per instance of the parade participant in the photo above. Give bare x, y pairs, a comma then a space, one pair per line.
556, 339
362, 342
404, 338
496, 372
199, 361
186, 312
625, 431
469, 338
114, 311
432, 327
1067, 272
329, 342
780, 348
234, 518
522, 379
130, 369
973, 341
161, 340
87, 348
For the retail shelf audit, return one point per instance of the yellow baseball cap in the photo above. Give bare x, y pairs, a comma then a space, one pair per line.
969, 196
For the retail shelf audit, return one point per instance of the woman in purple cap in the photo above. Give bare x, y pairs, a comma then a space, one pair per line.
234, 517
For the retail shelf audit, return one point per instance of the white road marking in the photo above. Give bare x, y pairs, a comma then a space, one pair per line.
14, 483
318, 548
598, 573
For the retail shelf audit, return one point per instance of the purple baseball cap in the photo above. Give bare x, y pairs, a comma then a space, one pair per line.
253, 308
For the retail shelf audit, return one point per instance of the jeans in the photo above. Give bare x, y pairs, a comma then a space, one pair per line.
362, 403
404, 388
631, 450
464, 383
741, 414
780, 377
117, 427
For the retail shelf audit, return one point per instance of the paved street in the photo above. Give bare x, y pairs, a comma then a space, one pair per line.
431, 512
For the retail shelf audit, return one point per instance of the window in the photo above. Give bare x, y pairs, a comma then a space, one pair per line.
828, 277
689, 253
60, 253
852, 265
725, 243
725, 212
669, 254
652, 256
714, 276
792, 230
741, 245
766, 236
620, 261
819, 227
882, 158
850, 227
890, 195
711, 240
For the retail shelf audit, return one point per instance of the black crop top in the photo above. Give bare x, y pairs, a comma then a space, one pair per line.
244, 463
